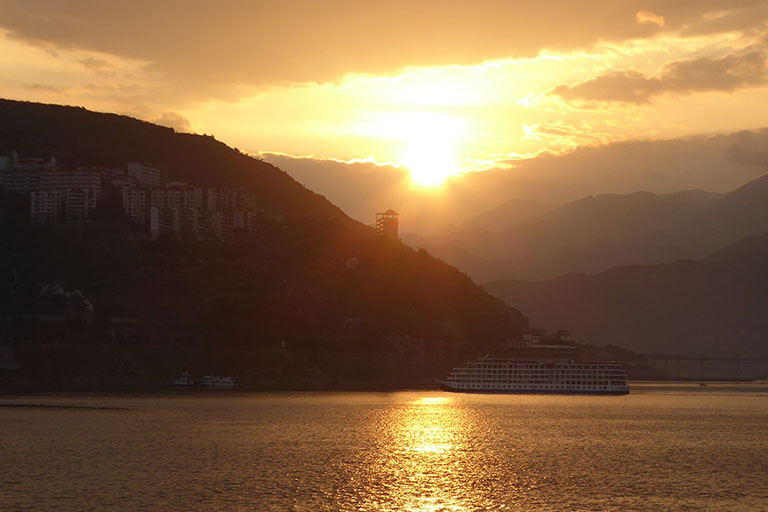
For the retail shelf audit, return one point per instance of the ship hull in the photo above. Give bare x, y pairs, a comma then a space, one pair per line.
446, 387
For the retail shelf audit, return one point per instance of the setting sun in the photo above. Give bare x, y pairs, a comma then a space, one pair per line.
430, 162
431, 142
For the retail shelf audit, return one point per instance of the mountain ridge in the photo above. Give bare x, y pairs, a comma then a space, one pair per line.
714, 305
599, 232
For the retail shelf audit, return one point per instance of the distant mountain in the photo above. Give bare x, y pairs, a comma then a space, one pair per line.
740, 213
597, 233
715, 306
311, 301
508, 215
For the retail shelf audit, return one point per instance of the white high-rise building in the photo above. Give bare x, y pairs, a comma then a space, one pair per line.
55, 206
136, 204
146, 174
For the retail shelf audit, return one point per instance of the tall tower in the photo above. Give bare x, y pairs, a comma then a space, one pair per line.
386, 224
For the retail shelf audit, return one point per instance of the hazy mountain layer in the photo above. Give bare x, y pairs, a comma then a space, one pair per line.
715, 305
597, 233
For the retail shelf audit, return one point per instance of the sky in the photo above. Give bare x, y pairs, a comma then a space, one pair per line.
418, 91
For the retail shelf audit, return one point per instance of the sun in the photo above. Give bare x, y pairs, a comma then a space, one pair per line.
428, 143
430, 162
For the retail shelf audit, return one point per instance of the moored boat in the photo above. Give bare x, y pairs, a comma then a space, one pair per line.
216, 381
182, 380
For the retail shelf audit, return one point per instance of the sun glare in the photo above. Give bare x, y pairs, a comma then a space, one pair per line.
431, 142
430, 162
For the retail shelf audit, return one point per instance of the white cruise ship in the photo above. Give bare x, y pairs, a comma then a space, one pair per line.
533, 367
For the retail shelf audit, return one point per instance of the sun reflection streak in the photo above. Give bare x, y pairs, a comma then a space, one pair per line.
426, 461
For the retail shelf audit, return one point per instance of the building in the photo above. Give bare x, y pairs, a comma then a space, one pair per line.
55, 206
181, 195
164, 221
228, 199
54, 195
19, 181
188, 227
14, 161
191, 212
139, 200
222, 224
386, 224
71, 179
79, 203
136, 204
47, 206
146, 174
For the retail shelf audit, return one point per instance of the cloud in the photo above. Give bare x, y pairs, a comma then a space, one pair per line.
173, 120
650, 17
44, 88
95, 64
220, 49
728, 73
569, 136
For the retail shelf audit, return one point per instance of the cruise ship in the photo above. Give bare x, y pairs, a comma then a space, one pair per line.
535, 367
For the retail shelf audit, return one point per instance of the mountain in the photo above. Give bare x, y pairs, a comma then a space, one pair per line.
587, 235
508, 215
715, 305
77, 136
305, 302
596, 233
741, 213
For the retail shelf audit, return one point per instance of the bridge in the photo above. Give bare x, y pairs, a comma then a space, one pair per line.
675, 359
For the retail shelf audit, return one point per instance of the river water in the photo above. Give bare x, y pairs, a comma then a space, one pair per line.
663, 447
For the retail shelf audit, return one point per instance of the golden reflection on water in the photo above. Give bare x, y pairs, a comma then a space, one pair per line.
426, 429
426, 459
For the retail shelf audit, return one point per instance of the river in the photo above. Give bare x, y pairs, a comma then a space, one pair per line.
663, 447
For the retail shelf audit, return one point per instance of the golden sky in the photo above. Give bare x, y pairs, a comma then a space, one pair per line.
440, 86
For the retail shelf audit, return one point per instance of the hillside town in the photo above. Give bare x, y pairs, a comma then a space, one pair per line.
147, 198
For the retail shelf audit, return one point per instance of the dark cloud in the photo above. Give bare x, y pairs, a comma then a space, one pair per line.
173, 120
748, 19
728, 73
212, 48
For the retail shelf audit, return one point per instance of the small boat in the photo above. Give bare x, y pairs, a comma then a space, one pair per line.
182, 380
216, 381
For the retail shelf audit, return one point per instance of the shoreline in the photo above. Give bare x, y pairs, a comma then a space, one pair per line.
199, 390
